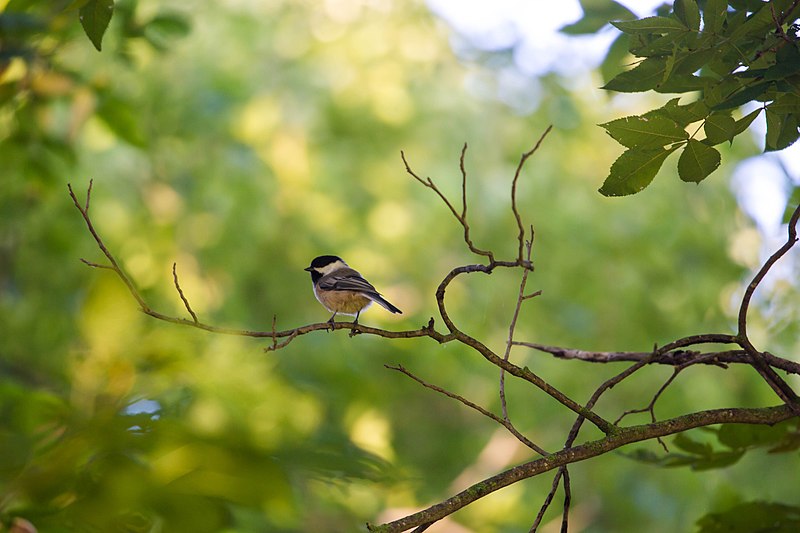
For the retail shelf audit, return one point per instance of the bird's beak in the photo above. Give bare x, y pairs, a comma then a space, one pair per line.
308, 269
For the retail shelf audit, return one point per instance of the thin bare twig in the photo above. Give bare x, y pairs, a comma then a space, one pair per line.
460, 217
567, 500
513, 325
514, 209
485, 412
180, 292
548, 499
84, 210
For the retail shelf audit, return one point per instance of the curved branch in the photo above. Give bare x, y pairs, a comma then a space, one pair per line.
781, 388
522, 160
762, 272
628, 435
674, 358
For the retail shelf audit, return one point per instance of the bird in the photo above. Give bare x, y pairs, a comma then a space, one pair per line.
342, 290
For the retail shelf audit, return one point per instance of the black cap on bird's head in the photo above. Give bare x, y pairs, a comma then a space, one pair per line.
320, 265
322, 261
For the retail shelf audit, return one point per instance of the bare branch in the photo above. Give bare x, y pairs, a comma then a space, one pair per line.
95, 265
675, 357
513, 325
765, 268
502, 421
781, 388
180, 292
549, 499
514, 208
460, 217
88, 195
463, 182
114, 266
629, 435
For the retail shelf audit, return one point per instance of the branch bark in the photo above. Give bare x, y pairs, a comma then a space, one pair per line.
628, 435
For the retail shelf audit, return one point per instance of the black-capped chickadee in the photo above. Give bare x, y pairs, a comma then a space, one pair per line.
341, 289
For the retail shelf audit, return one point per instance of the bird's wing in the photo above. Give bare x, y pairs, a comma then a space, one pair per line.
346, 281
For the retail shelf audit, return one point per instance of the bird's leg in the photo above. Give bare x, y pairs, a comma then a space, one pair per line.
354, 331
330, 320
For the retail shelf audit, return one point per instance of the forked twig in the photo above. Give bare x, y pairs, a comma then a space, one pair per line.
522, 160
460, 217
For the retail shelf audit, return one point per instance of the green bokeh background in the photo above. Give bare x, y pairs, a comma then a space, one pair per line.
241, 139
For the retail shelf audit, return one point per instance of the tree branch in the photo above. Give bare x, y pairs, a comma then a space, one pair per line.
500, 420
674, 358
522, 160
628, 435
758, 361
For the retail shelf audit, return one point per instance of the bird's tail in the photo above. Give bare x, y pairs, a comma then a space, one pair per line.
380, 300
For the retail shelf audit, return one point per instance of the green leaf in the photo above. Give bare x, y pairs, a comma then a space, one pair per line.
744, 122
717, 460
686, 443
682, 83
595, 16
122, 119
752, 516
643, 77
719, 127
645, 132
789, 132
714, 15
164, 27
737, 436
697, 161
743, 96
95, 16
682, 114
613, 62
791, 205
650, 25
785, 104
633, 171
76, 4
690, 61
774, 125
688, 13
756, 24
781, 130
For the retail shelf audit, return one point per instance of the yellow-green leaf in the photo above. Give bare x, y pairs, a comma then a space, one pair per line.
645, 132
650, 25
633, 171
688, 13
697, 161
95, 16
643, 77
719, 127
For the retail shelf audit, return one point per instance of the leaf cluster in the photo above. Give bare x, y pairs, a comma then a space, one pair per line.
726, 55
732, 442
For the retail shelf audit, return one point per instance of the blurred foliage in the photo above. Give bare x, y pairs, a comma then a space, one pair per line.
241, 139
753, 516
736, 439
728, 53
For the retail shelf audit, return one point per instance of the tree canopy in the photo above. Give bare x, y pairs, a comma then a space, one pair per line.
227, 144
